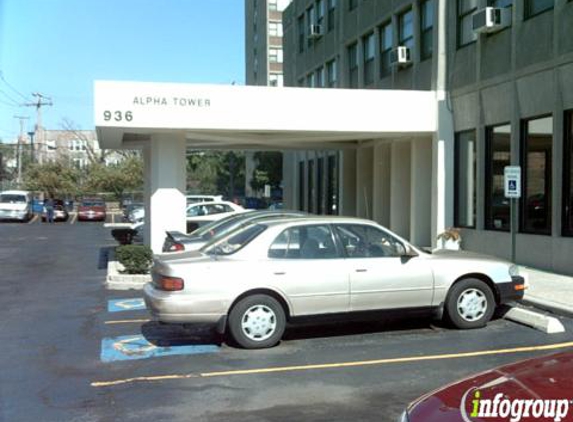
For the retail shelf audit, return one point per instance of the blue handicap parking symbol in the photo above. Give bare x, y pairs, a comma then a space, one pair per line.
122, 305
137, 347
512, 184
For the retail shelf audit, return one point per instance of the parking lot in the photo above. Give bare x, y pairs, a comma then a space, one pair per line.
74, 351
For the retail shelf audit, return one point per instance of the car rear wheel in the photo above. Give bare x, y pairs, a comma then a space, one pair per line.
257, 321
470, 304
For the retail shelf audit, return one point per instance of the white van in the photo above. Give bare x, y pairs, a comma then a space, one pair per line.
15, 205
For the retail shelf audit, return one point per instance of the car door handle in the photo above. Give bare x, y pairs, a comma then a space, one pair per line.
361, 270
280, 273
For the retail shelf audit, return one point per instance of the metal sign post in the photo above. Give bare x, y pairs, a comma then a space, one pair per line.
512, 184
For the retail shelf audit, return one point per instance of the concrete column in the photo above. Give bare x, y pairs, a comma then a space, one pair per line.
348, 182
381, 184
165, 177
249, 172
400, 186
421, 192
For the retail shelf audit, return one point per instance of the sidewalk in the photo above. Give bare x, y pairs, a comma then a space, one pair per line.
549, 291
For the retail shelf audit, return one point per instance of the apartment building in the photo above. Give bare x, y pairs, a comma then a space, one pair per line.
502, 72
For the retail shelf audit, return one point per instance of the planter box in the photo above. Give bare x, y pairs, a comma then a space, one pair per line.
115, 280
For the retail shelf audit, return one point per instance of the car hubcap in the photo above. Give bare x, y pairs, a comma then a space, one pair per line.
259, 322
472, 304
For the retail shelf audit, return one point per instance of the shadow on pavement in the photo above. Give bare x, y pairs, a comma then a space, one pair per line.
167, 335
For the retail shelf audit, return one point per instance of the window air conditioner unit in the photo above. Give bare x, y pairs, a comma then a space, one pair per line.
400, 56
315, 31
491, 19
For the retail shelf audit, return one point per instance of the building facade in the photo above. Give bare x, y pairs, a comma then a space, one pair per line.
503, 79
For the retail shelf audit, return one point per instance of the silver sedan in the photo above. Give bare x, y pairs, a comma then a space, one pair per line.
254, 281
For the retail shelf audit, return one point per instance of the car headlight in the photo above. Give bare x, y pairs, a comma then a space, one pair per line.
513, 270
404, 417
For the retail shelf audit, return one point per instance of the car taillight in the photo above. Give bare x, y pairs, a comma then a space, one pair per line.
176, 247
171, 284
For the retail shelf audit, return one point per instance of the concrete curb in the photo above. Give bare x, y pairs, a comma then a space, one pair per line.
548, 305
544, 323
115, 280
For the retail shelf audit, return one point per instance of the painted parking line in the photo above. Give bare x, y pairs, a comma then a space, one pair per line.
138, 347
34, 219
122, 305
338, 365
127, 321
74, 217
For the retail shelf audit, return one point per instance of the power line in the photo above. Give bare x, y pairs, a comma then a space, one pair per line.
15, 102
12, 88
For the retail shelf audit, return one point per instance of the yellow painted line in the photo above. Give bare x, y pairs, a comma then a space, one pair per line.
296, 368
126, 321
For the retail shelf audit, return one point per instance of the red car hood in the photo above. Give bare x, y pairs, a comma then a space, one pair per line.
545, 378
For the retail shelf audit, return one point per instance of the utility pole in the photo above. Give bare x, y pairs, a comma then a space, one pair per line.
42, 101
20, 142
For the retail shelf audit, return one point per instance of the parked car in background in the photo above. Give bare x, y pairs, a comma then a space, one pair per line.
60, 211
136, 215
15, 205
129, 208
91, 209
534, 385
253, 281
176, 241
193, 199
201, 213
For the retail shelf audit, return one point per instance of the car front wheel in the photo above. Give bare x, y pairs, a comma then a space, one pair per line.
470, 304
257, 321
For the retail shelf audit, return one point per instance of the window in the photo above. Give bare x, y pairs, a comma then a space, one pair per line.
320, 79
535, 7
353, 65
301, 33
537, 149
363, 241
331, 14
319, 12
500, 3
331, 74
235, 242
276, 79
301, 180
406, 30
275, 55
311, 80
498, 156
311, 186
368, 57
385, 49
332, 185
273, 5
426, 29
568, 176
352, 4
275, 29
466, 35
465, 179
304, 242
310, 20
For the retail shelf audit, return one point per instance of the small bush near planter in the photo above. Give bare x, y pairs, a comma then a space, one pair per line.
136, 259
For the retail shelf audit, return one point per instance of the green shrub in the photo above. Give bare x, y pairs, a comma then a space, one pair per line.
136, 259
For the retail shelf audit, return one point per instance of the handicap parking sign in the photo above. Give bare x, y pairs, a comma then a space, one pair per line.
512, 181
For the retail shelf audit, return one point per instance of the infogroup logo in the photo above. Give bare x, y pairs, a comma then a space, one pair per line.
500, 408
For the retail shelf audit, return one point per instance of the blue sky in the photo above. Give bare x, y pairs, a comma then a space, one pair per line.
59, 47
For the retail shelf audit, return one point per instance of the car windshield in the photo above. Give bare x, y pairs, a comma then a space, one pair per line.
92, 204
234, 242
12, 199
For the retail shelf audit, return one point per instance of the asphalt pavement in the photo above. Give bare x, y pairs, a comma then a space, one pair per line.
73, 351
